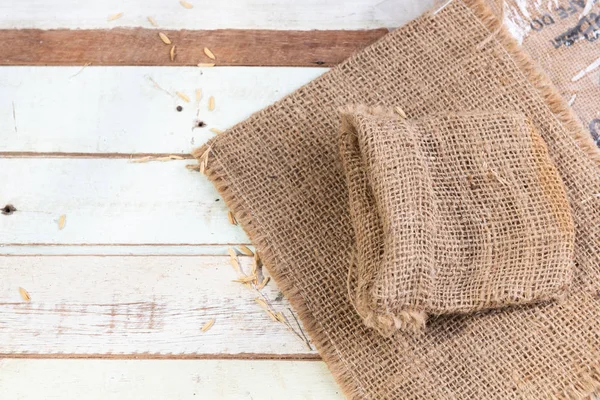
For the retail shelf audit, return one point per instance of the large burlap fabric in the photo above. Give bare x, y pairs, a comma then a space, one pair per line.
280, 173
452, 213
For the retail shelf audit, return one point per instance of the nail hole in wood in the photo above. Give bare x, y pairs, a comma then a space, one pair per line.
8, 209
179, 108
200, 124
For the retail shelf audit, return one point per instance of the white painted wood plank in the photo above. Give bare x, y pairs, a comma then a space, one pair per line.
166, 379
114, 250
111, 201
133, 305
260, 14
120, 110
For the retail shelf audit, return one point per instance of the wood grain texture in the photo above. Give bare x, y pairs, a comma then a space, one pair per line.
140, 46
100, 111
138, 306
111, 201
166, 379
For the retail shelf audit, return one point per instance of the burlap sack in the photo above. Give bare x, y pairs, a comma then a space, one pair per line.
563, 39
453, 213
280, 173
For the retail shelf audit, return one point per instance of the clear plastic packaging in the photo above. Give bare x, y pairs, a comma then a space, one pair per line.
563, 37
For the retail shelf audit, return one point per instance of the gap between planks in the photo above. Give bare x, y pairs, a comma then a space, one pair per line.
150, 356
143, 47
56, 154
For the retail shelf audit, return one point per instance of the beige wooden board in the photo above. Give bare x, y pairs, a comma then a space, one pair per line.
124, 306
111, 201
166, 379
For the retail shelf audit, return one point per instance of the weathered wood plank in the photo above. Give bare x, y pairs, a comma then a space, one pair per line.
138, 307
103, 110
166, 379
142, 46
111, 202
239, 14
113, 250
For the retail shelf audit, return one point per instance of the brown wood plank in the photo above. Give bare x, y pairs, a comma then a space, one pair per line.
139, 46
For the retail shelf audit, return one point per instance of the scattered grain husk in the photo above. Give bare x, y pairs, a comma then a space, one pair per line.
24, 294
400, 112
280, 317
204, 160
198, 95
272, 315
208, 325
261, 303
193, 167
216, 131
246, 250
172, 53
264, 283
209, 53
231, 218
152, 21
211, 103
185, 4
206, 65
244, 279
62, 220
183, 96
115, 16
164, 38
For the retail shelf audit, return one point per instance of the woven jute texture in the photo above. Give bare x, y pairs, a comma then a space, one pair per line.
565, 43
280, 173
452, 214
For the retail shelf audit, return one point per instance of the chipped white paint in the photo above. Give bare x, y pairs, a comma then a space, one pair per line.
121, 110
232, 14
111, 201
133, 305
166, 379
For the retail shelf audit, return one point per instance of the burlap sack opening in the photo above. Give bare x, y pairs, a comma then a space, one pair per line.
452, 213
279, 172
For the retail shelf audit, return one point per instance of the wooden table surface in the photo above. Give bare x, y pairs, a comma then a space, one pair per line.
124, 262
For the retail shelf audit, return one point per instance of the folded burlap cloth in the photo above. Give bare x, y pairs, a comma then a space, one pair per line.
281, 173
454, 213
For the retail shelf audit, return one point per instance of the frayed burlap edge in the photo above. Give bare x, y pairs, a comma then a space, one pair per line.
588, 384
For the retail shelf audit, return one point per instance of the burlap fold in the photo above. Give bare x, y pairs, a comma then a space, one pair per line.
280, 173
452, 213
